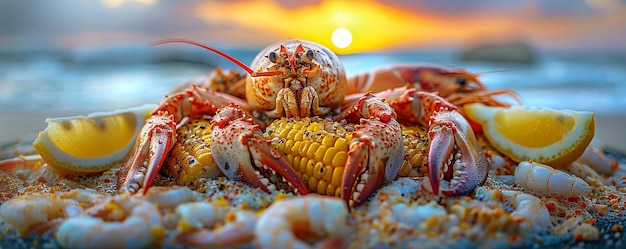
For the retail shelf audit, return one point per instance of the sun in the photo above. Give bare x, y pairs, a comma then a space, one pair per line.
341, 37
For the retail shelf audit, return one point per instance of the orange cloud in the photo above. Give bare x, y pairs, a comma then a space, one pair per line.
376, 26
372, 24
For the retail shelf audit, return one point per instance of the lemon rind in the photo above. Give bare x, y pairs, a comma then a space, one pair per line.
67, 162
544, 154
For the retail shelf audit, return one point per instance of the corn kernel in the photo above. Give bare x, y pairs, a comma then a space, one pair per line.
299, 135
321, 186
201, 151
337, 175
328, 173
319, 155
309, 169
340, 159
330, 190
318, 171
296, 147
309, 164
313, 127
289, 158
288, 146
292, 134
303, 163
284, 133
304, 146
298, 125
328, 156
313, 183
296, 162
312, 150
341, 144
206, 159
329, 141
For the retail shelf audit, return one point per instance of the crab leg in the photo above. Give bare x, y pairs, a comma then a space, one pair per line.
243, 154
376, 150
25, 161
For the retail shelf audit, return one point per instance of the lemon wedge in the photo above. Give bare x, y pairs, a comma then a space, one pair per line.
92, 143
544, 135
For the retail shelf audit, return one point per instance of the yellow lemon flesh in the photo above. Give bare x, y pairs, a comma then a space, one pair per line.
91, 143
548, 136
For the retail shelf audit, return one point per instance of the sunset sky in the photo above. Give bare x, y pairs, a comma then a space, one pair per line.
364, 25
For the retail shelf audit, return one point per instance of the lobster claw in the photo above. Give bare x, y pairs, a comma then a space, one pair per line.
456, 162
244, 155
376, 151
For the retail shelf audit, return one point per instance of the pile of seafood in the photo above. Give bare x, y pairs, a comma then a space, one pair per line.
293, 154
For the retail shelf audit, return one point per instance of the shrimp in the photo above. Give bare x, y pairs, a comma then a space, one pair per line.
39, 213
196, 219
170, 197
542, 178
119, 222
528, 211
597, 160
285, 223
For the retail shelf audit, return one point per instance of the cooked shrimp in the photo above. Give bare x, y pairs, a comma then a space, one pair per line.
595, 158
41, 212
197, 220
120, 222
545, 179
169, 197
286, 223
527, 210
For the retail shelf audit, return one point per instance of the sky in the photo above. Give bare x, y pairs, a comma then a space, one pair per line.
367, 25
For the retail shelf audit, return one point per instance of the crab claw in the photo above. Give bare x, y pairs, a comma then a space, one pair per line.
244, 155
456, 162
376, 151
154, 142
455, 158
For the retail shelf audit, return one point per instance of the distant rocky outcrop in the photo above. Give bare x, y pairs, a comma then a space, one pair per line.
509, 52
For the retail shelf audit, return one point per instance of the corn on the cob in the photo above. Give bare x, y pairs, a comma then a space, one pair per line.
190, 157
316, 148
415, 151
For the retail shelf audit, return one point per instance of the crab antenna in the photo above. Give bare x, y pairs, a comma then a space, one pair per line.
228, 57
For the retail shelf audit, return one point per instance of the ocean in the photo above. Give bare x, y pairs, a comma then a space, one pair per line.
123, 76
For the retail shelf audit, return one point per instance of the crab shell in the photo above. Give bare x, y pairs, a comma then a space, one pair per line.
329, 82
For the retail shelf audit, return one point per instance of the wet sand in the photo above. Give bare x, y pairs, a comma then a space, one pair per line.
15, 125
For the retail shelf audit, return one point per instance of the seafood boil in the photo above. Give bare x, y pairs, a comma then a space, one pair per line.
293, 153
